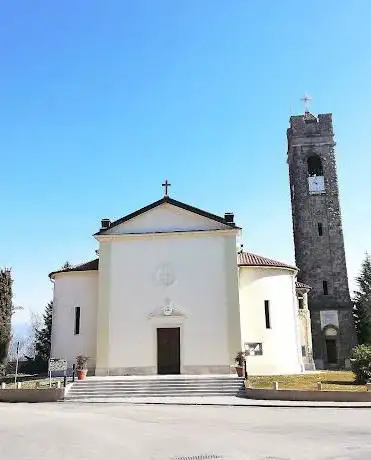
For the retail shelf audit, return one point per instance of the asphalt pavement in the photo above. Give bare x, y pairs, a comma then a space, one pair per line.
128, 432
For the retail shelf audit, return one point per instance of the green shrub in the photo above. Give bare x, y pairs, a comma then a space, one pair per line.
360, 360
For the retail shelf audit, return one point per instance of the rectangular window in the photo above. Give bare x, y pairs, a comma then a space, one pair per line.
325, 287
320, 229
267, 316
77, 320
301, 303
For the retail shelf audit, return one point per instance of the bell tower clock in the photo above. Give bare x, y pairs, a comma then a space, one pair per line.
318, 237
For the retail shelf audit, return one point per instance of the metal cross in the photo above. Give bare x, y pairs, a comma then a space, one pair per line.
306, 100
166, 185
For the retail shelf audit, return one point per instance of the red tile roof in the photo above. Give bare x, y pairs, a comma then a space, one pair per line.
247, 259
84, 267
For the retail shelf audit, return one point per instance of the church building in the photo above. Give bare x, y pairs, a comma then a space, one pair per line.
171, 293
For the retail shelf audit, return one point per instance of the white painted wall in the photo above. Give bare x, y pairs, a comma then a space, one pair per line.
75, 289
281, 343
198, 263
165, 218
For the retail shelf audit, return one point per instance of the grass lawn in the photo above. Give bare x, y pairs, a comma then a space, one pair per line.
331, 380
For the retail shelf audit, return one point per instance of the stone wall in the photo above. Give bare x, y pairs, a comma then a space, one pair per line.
307, 395
31, 395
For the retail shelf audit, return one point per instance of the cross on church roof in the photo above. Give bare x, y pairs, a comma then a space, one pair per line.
166, 185
306, 100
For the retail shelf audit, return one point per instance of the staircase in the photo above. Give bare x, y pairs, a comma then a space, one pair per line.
149, 387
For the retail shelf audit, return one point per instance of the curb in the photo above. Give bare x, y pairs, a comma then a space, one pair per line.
260, 404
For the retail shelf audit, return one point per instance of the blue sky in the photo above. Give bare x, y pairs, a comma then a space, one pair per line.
100, 101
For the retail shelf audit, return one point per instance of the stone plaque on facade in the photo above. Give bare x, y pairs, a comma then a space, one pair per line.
329, 317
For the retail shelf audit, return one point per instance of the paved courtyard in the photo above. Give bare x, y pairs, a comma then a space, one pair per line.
130, 432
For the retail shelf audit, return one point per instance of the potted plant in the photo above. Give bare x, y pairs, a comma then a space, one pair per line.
240, 359
81, 367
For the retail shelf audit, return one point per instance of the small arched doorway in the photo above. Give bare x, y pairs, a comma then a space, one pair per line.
331, 333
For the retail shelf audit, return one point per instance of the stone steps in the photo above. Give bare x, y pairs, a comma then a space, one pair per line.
123, 381
156, 384
107, 388
156, 388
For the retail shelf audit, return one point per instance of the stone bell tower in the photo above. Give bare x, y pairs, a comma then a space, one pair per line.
318, 237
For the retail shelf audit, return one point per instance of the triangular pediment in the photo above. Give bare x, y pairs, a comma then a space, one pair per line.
167, 215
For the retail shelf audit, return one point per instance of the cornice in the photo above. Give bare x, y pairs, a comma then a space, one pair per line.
173, 234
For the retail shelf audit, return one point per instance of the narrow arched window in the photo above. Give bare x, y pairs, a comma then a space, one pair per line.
315, 166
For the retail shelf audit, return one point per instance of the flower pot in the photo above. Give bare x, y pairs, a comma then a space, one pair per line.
81, 374
239, 370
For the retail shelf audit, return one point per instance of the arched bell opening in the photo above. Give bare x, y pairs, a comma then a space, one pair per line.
314, 166
316, 180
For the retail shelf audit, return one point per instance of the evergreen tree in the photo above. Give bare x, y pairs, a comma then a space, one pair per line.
42, 345
362, 303
6, 310
66, 265
43, 339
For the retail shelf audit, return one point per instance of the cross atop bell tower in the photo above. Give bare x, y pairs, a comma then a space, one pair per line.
306, 99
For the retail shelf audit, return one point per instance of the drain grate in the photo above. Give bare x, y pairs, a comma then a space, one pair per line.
199, 457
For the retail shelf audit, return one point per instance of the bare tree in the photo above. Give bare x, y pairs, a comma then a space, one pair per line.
36, 321
26, 339
20, 341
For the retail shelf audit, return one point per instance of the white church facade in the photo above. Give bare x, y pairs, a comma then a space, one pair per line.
170, 294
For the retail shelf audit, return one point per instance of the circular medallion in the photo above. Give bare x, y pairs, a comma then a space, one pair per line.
165, 275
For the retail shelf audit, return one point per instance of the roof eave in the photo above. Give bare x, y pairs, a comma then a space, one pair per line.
58, 272
295, 269
173, 202
90, 266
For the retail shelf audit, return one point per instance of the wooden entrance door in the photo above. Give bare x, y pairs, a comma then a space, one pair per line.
168, 350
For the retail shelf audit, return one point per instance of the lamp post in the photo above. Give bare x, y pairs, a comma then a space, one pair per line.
17, 308
16, 363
